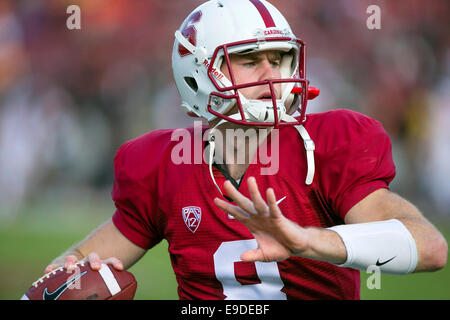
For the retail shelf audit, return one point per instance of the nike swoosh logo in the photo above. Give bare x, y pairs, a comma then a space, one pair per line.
55, 294
381, 263
279, 201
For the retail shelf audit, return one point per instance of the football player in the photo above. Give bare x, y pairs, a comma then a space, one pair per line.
242, 230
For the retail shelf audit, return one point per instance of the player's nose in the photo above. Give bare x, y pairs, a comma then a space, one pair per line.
267, 70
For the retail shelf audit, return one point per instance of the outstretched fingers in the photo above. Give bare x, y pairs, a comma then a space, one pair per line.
274, 210
235, 211
258, 202
242, 201
245, 206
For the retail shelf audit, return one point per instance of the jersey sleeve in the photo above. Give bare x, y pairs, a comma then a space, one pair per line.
136, 214
361, 164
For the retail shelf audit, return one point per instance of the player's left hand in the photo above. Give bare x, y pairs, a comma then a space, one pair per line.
278, 237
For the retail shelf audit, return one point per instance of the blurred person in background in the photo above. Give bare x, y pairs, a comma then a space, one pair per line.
436, 157
14, 152
37, 125
107, 73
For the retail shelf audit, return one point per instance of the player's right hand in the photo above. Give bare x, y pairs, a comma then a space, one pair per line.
93, 259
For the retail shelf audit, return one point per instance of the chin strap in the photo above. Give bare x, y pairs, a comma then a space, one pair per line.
309, 147
307, 142
212, 147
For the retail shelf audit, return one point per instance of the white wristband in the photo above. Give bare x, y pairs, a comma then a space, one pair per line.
386, 244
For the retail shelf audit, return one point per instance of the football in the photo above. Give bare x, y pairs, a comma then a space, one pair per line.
83, 283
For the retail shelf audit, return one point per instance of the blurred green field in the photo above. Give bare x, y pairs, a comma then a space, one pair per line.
28, 243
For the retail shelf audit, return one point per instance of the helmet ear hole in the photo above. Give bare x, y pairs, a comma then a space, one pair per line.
192, 83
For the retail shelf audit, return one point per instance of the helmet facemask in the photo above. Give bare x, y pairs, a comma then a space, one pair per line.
254, 112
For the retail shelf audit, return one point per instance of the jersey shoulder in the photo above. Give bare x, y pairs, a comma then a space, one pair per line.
338, 128
146, 149
144, 155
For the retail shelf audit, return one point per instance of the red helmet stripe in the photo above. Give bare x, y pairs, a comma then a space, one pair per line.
265, 14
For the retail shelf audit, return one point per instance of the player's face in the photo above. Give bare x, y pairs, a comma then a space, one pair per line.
253, 67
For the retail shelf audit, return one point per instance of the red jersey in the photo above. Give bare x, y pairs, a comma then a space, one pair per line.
157, 199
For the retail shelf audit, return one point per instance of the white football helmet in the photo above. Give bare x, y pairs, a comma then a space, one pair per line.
218, 28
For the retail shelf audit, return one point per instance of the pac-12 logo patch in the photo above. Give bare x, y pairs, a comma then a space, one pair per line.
192, 217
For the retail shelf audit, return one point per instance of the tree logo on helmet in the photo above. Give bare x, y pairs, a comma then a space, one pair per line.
190, 32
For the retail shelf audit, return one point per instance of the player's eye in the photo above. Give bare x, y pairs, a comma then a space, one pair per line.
275, 63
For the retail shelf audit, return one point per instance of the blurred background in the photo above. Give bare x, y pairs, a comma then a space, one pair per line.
70, 98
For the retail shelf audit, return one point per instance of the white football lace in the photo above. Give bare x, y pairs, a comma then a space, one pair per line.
47, 275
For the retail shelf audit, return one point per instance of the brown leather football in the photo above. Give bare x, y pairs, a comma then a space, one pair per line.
83, 283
